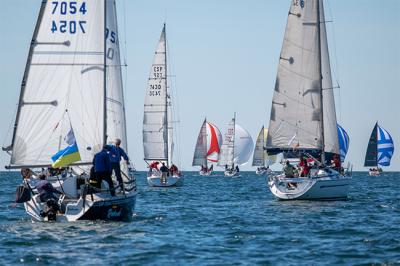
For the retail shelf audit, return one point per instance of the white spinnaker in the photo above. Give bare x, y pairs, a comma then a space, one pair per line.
155, 125
295, 113
227, 148
212, 142
330, 122
200, 151
243, 145
66, 69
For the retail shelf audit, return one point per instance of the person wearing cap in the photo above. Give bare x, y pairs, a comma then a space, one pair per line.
116, 152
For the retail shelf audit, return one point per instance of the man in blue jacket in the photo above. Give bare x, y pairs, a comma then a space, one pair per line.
116, 152
102, 168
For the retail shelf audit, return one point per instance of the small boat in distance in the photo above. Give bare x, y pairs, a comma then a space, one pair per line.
207, 148
71, 97
260, 156
303, 117
158, 141
379, 151
236, 148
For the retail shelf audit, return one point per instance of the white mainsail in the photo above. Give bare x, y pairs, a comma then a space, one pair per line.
63, 83
157, 120
296, 113
260, 156
200, 151
227, 147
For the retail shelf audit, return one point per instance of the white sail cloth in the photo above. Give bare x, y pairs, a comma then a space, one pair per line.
237, 146
63, 83
155, 121
260, 156
296, 106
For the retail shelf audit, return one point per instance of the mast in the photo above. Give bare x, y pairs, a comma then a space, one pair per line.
376, 157
166, 95
320, 81
27, 69
105, 76
233, 140
263, 143
205, 123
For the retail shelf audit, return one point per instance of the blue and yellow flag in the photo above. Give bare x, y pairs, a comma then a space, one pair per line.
68, 155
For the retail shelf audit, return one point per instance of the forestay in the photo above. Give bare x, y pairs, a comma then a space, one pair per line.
63, 83
155, 120
296, 114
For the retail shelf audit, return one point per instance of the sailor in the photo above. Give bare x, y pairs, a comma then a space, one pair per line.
116, 152
211, 168
153, 165
336, 162
46, 189
173, 169
102, 168
288, 170
164, 172
237, 169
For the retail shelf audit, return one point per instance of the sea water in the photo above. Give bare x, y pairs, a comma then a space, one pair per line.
216, 220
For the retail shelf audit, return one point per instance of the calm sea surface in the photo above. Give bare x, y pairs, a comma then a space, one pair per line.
216, 221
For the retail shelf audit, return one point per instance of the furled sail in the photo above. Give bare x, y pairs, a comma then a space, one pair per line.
380, 148
344, 142
296, 115
63, 83
155, 120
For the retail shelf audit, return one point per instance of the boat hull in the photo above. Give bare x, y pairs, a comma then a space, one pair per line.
205, 173
231, 173
170, 181
330, 187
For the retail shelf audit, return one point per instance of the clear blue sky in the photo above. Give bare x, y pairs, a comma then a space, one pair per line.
224, 54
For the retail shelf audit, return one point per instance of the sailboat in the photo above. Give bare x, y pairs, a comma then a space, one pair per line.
158, 132
236, 148
379, 151
207, 148
303, 117
260, 156
72, 83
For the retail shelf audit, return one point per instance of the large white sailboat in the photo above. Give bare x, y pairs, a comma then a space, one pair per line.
158, 142
260, 157
303, 117
236, 148
207, 148
72, 83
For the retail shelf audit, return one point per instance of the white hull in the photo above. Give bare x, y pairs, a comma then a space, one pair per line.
263, 171
156, 180
231, 173
324, 186
374, 173
205, 173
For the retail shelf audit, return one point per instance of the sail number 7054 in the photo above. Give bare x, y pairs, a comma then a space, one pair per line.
65, 8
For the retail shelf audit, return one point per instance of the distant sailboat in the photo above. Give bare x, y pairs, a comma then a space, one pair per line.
260, 156
207, 147
379, 151
303, 117
72, 90
236, 148
158, 132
